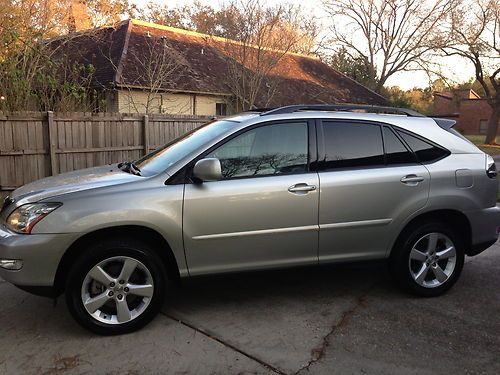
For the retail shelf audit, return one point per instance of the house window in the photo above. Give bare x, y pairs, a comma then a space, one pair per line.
220, 109
483, 126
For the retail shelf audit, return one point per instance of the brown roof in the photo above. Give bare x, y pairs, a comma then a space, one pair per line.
459, 94
117, 54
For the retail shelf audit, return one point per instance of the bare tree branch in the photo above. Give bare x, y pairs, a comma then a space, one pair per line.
392, 35
473, 32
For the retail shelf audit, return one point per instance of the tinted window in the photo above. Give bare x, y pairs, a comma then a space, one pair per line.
395, 151
425, 151
267, 150
352, 145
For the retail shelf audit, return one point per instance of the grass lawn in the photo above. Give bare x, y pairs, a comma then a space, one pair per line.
478, 140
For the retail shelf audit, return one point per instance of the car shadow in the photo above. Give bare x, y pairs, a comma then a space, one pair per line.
299, 283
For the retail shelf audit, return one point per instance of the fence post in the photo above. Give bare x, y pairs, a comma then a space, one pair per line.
145, 132
52, 143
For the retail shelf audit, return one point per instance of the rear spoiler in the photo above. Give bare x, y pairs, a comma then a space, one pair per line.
445, 123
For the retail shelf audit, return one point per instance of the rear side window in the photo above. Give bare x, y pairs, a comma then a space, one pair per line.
395, 151
352, 145
425, 151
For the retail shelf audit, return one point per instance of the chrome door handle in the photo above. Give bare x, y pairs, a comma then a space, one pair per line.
411, 179
301, 188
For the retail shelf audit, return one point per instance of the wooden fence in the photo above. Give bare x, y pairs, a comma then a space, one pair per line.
34, 145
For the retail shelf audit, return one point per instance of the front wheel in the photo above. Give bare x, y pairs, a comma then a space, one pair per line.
116, 287
428, 259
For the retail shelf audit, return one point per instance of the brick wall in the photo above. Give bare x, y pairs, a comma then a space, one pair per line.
472, 112
444, 106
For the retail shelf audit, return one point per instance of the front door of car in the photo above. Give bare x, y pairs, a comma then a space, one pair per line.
264, 211
366, 194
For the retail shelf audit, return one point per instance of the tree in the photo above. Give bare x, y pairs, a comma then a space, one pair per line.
474, 32
420, 100
261, 38
152, 69
197, 17
36, 77
98, 13
227, 21
27, 20
354, 66
33, 75
390, 35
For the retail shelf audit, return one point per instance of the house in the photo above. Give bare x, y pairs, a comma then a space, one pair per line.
464, 106
145, 67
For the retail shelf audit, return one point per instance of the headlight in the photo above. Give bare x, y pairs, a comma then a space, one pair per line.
24, 218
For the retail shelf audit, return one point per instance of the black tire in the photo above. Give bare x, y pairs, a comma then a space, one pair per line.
102, 251
400, 258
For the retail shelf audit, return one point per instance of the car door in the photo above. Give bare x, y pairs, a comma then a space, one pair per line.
365, 193
264, 212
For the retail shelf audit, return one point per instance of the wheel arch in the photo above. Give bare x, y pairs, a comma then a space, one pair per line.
151, 236
456, 219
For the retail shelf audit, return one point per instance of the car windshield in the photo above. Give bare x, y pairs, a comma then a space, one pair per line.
162, 158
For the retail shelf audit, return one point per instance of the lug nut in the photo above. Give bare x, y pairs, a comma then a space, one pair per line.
126, 289
122, 282
110, 294
119, 296
111, 284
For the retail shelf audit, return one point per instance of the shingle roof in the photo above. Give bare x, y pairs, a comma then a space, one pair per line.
117, 51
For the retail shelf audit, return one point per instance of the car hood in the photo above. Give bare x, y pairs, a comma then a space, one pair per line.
70, 182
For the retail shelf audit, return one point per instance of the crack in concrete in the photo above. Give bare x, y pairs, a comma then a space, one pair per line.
226, 344
319, 352
316, 353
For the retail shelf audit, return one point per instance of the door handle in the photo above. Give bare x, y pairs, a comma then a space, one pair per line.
301, 188
411, 179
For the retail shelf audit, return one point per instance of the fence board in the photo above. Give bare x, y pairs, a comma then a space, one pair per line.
31, 148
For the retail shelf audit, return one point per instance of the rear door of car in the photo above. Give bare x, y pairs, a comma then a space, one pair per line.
370, 181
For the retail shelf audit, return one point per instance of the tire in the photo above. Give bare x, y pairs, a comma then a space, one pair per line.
422, 252
112, 276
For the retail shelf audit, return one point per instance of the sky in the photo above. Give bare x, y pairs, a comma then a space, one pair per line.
456, 69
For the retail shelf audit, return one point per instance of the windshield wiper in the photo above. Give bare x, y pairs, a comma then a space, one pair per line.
130, 167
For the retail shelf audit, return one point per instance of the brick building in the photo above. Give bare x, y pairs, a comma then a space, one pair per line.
466, 107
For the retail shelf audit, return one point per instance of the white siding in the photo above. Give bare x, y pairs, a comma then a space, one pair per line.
136, 101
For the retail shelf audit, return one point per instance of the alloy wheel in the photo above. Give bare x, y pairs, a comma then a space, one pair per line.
117, 290
432, 260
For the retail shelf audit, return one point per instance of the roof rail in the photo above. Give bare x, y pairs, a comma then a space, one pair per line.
343, 108
259, 110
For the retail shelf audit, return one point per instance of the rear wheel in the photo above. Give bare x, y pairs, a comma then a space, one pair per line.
428, 259
117, 286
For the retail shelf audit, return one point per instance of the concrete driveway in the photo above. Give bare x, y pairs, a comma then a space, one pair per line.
345, 319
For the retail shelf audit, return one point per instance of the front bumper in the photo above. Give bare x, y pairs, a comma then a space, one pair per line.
484, 228
40, 254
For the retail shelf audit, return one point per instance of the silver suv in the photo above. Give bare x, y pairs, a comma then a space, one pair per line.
293, 186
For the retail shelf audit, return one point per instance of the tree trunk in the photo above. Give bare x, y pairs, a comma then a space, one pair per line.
491, 134
379, 85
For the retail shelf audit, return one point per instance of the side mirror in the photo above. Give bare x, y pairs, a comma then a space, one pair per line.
208, 169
